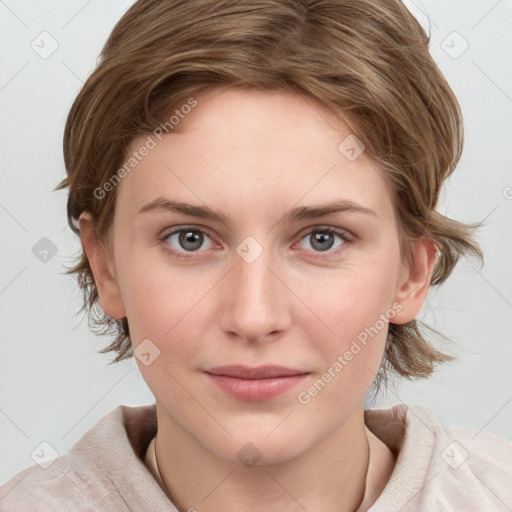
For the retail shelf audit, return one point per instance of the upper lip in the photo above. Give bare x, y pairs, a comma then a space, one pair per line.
260, 372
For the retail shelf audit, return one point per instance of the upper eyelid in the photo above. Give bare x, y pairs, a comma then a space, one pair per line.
206, 230
178, 229
326, 227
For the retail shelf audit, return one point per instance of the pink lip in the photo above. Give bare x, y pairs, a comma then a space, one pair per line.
261, 383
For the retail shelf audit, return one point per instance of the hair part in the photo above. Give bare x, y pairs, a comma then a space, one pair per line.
367, 62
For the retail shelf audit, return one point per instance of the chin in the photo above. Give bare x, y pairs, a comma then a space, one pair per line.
255, 447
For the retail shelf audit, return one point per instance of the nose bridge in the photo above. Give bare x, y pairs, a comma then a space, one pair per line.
255, 305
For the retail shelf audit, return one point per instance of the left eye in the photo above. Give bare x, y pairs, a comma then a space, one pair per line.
323, 239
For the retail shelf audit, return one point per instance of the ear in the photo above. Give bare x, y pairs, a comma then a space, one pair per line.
104, 277
414, 281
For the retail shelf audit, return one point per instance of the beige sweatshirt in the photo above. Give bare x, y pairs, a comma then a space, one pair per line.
438, 469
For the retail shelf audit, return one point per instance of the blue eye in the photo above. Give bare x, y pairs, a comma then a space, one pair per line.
323, 239
184, 241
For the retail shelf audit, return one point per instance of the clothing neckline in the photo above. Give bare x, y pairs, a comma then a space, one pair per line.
374, 485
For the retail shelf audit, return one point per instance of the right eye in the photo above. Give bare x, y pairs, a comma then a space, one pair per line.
186, 239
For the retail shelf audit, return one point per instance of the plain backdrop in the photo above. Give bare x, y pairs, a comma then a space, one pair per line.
54, 386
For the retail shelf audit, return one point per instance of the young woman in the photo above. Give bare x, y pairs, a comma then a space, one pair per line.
255, 188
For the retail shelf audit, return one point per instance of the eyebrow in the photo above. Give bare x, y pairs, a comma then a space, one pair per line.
293, 215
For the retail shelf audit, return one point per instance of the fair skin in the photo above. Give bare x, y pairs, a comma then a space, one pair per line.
254, 156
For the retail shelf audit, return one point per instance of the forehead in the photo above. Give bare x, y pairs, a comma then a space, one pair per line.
266, 148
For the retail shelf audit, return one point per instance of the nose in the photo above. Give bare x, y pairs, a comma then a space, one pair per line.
256, 301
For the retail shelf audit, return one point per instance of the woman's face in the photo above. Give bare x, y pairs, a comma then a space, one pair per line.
257, 276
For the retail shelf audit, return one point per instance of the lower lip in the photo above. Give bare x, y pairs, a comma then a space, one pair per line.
256, 389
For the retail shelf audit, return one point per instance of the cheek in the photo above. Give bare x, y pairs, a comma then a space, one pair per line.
166, 305
359, 316
357, 309
163, 306
155, 294
354, 300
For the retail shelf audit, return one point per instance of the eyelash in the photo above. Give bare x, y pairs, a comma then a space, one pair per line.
344, 235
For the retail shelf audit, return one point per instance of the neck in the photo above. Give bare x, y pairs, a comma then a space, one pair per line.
331, 475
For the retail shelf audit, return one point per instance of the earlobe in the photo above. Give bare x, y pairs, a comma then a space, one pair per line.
108, 290
412, 289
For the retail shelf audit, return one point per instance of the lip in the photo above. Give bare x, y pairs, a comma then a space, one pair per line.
255, 384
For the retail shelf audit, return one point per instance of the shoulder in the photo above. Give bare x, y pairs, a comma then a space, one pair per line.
103, 470
439, 467
456, 447
38, 488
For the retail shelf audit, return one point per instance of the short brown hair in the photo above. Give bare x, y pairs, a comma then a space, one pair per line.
365, 60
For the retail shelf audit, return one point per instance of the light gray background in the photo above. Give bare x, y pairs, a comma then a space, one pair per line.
54, 386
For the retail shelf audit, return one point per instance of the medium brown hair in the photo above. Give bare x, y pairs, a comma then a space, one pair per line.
365, 60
